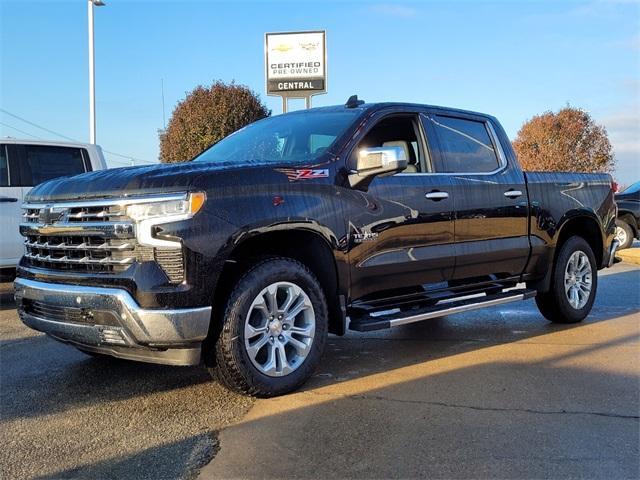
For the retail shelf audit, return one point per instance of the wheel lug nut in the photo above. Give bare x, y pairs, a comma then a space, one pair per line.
271, 339
285, 326
281, 338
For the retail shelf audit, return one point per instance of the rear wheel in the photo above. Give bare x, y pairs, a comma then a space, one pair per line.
274, 330
624, 234
573, 284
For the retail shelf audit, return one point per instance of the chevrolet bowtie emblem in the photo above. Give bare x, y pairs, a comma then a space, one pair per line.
49, 215
283, 47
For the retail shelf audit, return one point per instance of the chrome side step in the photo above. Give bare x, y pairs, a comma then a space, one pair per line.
457, 309
379, 321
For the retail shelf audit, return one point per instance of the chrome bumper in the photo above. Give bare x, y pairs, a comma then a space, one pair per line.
108, 320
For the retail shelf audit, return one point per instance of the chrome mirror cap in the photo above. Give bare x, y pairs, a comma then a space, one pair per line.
378, 161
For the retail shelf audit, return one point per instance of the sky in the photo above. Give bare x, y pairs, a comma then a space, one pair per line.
512, 59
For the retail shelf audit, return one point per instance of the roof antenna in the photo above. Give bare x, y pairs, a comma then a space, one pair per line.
353, 102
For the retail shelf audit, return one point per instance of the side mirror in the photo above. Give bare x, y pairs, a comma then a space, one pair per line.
378, 161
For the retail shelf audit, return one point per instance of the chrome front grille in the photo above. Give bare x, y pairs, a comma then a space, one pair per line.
80, 253
87, 245
79, 237
57, 213
95, 214
31, 215
92, 237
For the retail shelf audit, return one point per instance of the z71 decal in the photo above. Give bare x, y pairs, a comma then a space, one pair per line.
304, 173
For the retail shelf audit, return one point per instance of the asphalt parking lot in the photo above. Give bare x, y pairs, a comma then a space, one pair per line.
497, 393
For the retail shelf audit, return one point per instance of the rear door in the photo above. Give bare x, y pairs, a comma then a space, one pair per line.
490, 199
11, 247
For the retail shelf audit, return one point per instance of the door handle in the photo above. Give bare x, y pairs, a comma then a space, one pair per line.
8, 200
437, 196
512, 193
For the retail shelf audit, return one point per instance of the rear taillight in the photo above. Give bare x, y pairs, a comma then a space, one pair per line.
614, 186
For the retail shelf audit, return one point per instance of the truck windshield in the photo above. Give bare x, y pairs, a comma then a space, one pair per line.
302, 136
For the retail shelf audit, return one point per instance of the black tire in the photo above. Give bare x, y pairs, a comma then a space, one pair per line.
233, 365
628, 234
554, 304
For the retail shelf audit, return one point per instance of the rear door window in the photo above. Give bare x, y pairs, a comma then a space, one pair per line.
41, 163
465, 145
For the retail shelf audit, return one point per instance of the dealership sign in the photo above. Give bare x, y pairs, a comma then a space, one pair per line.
296, 64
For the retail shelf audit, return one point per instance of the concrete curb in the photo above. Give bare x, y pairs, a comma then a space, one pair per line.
629, 255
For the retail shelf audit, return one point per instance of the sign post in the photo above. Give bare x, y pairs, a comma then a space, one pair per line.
295, 65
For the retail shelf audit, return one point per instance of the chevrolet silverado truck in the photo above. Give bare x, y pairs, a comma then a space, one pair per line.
358, 216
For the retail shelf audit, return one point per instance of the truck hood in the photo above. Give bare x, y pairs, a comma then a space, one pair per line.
162, 178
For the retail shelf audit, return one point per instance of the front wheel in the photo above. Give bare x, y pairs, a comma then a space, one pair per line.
274, 330
573, 284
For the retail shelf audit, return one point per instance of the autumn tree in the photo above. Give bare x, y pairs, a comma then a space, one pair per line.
207, 115
568, 140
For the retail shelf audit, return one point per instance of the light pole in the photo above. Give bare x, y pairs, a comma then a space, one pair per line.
92, 73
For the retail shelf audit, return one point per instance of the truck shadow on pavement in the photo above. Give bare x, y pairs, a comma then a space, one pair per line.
173, 460
6, 300
486, 413
69, 379
526, 411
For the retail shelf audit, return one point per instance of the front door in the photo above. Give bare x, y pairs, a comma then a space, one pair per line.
401, 226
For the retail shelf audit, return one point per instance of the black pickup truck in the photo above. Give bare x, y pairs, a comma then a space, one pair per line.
358, 216
628, 223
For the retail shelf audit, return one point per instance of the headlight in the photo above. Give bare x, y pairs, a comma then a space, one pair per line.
148, 215
167, 209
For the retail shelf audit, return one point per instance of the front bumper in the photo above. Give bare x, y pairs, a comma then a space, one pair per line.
109, 321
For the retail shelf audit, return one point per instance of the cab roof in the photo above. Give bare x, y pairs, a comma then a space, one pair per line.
373, 107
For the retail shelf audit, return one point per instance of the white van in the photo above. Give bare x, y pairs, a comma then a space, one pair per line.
24, 164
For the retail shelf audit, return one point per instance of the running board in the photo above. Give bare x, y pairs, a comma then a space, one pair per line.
380, 321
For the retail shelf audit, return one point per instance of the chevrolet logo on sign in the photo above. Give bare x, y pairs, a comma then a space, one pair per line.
283, 47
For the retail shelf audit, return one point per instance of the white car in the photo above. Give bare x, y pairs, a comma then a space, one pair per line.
24, 164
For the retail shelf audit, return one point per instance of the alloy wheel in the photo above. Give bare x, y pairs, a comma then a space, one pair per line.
279, 329
621, 235
578, 279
